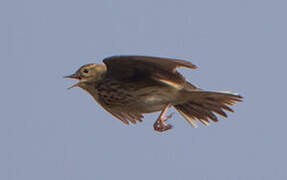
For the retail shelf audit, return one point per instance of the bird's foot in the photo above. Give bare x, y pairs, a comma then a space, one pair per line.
160, 125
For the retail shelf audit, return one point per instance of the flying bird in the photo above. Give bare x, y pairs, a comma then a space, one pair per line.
129, 86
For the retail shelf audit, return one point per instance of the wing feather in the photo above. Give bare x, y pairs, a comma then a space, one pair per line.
162, 63
135, 68
126, 117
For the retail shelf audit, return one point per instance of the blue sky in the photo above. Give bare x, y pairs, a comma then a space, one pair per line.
48, 132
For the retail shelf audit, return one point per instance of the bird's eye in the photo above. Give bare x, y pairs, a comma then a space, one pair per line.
86, 71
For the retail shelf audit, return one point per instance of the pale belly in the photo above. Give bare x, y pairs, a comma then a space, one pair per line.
154, 101
150, 104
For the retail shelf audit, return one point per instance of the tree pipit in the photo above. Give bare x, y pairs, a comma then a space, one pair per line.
130, 86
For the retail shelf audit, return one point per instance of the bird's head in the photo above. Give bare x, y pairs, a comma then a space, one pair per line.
87, 73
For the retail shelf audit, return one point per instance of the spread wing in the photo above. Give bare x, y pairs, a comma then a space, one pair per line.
133, 68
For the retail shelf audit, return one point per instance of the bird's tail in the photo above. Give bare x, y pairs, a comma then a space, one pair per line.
203, 104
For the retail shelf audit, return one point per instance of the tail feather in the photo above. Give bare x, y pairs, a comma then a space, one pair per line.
203, 105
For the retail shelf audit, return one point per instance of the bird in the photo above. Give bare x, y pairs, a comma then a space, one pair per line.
129, 86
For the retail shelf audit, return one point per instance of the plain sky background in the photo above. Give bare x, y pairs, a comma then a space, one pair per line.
50, 133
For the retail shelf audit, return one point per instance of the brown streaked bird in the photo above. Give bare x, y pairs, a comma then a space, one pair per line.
130, 86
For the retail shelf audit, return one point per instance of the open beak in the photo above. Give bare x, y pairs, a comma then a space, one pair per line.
75, 85
73, 76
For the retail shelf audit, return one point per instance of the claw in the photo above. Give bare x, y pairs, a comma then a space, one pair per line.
160, 124
162, 127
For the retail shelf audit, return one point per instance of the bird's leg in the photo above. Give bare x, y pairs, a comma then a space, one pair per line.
160, 124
